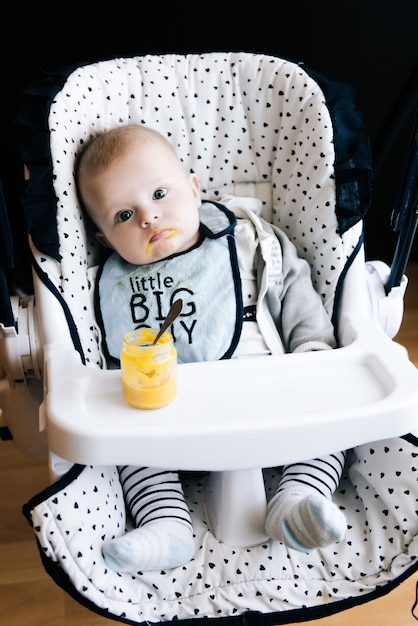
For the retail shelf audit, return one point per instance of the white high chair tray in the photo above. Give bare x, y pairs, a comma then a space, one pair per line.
261, 408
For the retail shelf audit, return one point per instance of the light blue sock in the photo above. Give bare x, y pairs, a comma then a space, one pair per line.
162, 544
304, 520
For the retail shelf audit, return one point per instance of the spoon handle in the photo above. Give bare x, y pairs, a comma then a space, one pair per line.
174, 312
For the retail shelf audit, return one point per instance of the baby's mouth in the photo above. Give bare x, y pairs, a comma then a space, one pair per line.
160, 233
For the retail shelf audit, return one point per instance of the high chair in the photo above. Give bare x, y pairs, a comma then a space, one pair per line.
254, 127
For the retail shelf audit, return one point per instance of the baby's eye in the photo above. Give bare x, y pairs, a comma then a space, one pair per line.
124, 216
159, 193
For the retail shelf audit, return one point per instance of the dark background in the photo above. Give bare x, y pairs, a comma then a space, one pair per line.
371, 44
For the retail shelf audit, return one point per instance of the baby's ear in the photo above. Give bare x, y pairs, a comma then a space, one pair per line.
102, 239
195, 184
195, 181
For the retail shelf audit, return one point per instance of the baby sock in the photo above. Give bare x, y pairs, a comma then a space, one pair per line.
163, 534
303, 519
161, 544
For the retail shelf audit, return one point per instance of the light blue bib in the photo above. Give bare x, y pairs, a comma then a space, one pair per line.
206, 278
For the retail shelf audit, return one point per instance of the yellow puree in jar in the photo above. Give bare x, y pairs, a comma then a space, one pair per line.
149, 379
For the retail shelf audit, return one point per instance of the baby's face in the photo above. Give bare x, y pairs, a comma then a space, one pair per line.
145, 205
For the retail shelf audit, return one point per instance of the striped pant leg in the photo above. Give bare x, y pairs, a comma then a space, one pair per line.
153, 494
322, 474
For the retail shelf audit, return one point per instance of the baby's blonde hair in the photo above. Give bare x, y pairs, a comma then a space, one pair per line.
103, 149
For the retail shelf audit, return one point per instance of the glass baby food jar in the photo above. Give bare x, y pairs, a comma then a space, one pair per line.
149, 372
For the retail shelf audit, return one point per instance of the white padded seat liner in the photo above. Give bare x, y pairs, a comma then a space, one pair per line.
248, 125
378, 495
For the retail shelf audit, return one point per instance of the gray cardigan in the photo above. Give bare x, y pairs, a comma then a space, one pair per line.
290, 313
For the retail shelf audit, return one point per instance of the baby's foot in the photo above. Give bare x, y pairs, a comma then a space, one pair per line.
304, 522
155, 546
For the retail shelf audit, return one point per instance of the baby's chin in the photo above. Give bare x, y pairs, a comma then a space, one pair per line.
165, 248
159, 252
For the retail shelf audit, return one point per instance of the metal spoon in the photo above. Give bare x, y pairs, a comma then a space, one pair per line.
174, 312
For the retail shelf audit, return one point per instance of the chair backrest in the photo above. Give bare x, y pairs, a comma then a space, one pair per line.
247, 124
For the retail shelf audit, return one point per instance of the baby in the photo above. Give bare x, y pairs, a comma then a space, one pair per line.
245, 292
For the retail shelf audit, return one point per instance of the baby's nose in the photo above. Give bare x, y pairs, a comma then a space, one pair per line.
146, 218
